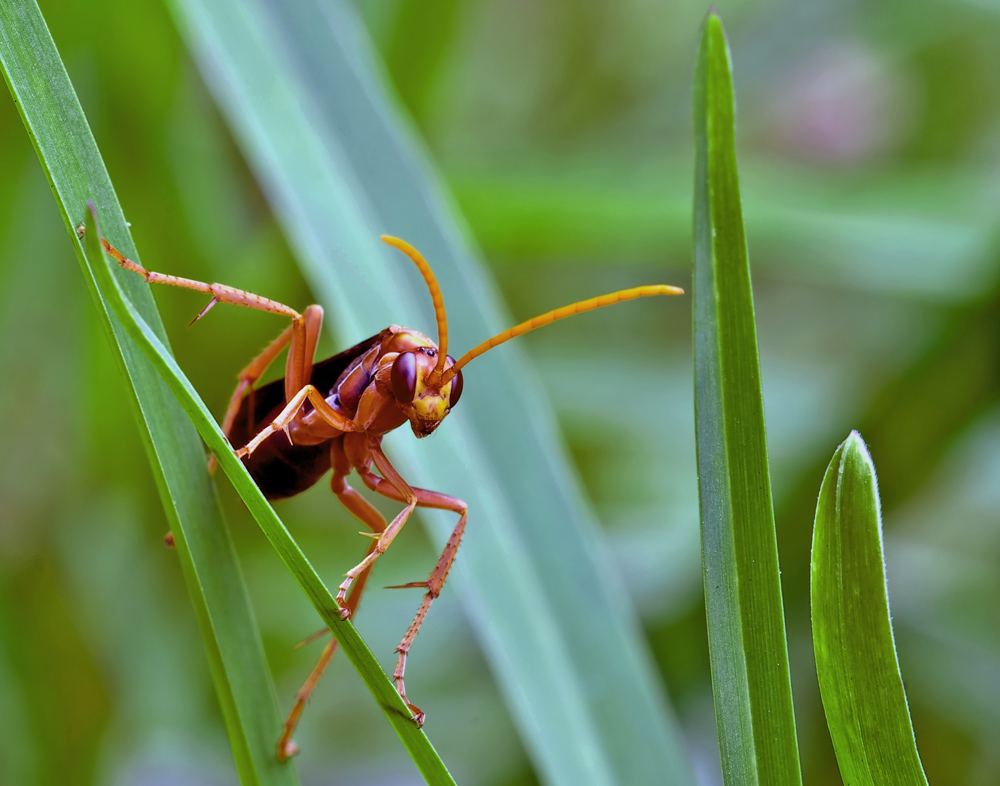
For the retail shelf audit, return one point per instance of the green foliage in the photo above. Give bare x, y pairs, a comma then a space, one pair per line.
852, 632
867, 172
69, 156
746, 627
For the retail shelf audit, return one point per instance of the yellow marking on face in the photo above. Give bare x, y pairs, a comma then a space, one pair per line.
431, 403
432, 406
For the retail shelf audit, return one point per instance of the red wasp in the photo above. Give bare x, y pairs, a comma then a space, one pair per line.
334, 413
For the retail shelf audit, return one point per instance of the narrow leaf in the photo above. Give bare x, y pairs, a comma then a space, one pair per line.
856, 663
55, 122
746, 628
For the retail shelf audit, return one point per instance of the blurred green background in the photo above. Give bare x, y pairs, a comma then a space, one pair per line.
869, 142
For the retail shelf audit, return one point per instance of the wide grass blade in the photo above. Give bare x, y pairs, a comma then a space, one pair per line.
66, 149
746, 628
295, 81
396, 711
856, 664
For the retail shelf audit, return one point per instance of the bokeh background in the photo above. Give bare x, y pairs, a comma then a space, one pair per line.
869, 144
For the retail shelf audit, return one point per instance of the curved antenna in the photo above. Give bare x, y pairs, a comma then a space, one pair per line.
432, 285
559, 313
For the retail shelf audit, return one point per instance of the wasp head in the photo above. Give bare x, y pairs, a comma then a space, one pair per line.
418, 387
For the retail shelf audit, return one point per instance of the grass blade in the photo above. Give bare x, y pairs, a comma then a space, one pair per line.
295, 82
416, 742
55, 122
750, 679
856, 663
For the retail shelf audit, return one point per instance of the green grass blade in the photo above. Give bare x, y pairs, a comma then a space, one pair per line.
750, 679
416, 742
55, 122
295, 81
856, 663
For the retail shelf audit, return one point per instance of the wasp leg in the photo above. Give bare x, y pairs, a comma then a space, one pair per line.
249, 376
364, 451
302, 350
326, 413
301, 338
377, 550
366, 513
286, 745
221, 293
435, 582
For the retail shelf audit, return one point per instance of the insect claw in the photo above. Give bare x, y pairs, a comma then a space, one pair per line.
419, 716
372, 535
345, 611
287, 751
288, 434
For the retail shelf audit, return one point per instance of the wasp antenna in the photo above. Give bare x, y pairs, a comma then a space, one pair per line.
560, 313
432, 285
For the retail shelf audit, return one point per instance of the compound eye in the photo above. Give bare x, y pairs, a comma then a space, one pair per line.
404, 377
456, 389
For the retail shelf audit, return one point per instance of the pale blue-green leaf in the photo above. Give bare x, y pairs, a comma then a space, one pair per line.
295, 80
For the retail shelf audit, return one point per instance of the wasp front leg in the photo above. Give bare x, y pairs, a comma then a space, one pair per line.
283, 421
378, 549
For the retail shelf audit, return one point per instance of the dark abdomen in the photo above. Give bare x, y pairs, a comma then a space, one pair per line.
283, 470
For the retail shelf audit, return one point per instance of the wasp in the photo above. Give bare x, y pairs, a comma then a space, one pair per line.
332, 414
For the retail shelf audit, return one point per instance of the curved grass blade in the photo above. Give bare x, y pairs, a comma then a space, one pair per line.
67, 152
856, 663
746, 628
416, 742
294, 80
